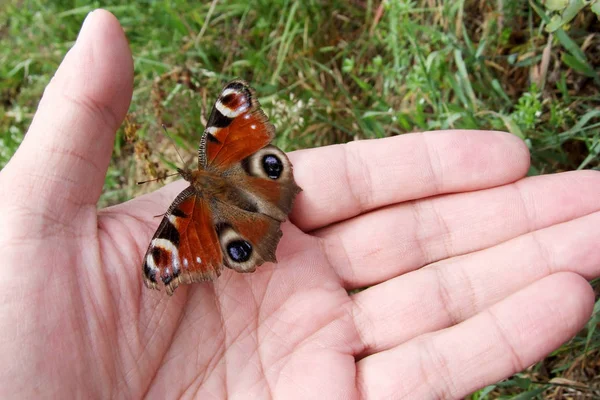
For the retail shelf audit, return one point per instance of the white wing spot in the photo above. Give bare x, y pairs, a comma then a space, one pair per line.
229, 91
252, 126
185, 262
198, 260
151, 263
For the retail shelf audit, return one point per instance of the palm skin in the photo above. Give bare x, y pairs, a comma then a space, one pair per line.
474, 272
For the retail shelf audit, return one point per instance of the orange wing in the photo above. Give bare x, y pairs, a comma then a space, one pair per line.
236, 143
236, 128
185, 247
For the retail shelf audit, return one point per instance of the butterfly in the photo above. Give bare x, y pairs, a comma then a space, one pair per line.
237, 198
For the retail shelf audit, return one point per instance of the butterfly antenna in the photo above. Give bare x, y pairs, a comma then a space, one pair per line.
173, 143
158, 179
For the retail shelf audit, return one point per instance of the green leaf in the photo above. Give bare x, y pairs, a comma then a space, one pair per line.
556, 5
482, 394
569, 12
582, 121
593, 324
582, 67
531, 394
555, 23
511, 125
464, 80
572, 10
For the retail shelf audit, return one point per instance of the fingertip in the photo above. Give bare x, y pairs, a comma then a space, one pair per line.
576, 296
100, 65
517, 150
492, 158
556, 307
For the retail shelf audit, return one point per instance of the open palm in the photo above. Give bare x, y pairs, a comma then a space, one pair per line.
474, 273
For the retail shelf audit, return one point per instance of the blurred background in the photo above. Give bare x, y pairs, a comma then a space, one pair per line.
333, 71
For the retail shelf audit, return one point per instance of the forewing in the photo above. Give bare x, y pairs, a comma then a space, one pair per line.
185, 247
236, 128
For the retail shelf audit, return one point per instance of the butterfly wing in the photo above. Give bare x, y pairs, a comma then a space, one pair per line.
236, 145
185, 247
247, 238
236, 128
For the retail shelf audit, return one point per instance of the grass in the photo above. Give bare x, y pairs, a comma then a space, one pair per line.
334, 71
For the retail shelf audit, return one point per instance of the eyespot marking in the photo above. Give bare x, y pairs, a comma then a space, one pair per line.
239, 250
269, 162
272, 166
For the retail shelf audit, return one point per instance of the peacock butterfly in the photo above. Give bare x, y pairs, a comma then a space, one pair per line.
230, 214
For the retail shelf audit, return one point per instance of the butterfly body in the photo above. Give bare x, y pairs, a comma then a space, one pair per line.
208, 184
230, 214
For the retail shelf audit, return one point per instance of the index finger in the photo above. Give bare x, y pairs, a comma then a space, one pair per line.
340, 182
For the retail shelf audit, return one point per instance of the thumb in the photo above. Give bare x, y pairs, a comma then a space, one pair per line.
60, 166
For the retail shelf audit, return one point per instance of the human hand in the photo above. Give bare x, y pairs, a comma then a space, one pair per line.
474, 272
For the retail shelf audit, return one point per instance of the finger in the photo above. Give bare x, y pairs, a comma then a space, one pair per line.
340, 182
396, 311
60, 165
492, 345
388, 242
